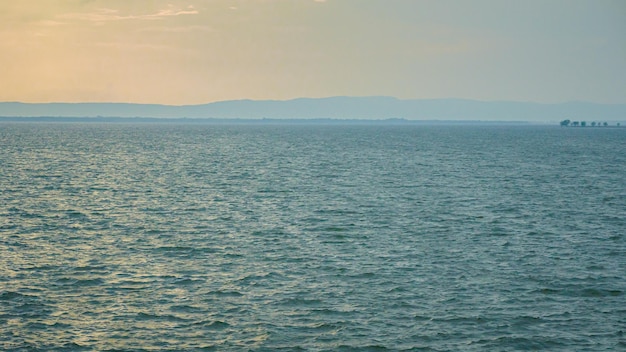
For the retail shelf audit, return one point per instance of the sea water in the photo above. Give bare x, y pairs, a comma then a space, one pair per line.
183, 237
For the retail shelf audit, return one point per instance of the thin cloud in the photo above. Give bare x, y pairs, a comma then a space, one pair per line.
180, 29
107, 15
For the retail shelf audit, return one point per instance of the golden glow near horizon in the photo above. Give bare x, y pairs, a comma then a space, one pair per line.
198, 51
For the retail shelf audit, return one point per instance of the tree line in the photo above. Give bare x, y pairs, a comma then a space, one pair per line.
567, 123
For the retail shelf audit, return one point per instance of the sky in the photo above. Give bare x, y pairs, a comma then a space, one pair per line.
181, 52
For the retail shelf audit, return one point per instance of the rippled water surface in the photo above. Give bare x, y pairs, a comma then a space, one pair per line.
269, 237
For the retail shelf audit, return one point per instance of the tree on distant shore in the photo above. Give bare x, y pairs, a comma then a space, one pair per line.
565, 123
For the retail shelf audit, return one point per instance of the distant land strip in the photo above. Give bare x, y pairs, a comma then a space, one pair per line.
234, 121
334, 108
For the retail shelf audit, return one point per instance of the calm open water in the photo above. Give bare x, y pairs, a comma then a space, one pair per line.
267, 237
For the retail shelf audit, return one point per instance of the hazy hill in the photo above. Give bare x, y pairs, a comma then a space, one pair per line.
334, 108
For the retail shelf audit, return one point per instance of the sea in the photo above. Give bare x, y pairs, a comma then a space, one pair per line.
311, 237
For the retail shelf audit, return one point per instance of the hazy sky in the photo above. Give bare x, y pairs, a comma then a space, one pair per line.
199, 51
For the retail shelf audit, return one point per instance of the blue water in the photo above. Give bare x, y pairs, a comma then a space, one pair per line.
156, 237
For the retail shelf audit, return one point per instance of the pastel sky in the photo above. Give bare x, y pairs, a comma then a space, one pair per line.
200, 51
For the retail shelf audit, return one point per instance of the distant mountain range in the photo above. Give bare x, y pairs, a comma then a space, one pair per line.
362, 108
